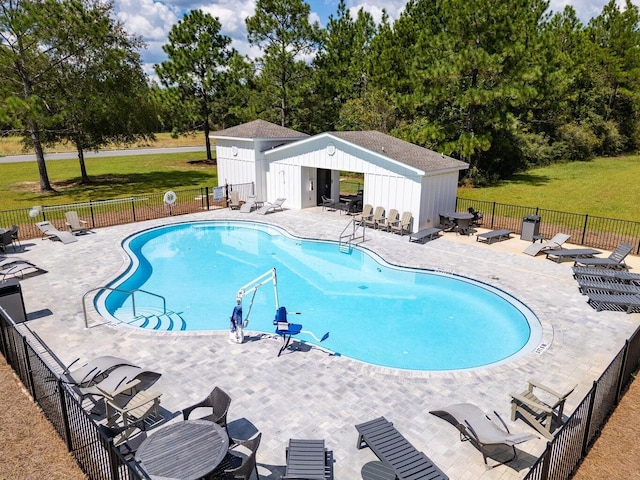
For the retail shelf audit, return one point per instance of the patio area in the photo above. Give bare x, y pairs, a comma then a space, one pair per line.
307, 393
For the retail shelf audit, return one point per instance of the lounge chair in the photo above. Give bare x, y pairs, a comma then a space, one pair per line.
540, 406
600, 286
494, 236
483, 430
423, 236
615, 260
309, 460
329, 203
234, 200
377, 217
556, 242
92, 371
249, 205
389, 220
614, 301
271, 207
403, 225
606, 274
51, 232
12, 266
124, 380
217, 402
74, 224
367, 213
570, 253
395, 451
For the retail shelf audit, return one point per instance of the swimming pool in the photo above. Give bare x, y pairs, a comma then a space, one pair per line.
375, 312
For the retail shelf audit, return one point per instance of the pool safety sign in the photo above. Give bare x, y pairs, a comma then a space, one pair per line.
218, 194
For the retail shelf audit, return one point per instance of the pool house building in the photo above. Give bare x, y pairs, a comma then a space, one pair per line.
284, 163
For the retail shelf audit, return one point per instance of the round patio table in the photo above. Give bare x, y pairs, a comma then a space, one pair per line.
186, 450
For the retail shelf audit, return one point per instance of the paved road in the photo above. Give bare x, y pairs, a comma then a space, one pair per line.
103, 153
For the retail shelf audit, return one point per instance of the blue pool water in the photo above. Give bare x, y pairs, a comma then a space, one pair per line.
377, 313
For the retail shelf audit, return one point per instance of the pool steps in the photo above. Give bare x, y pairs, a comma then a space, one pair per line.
151, 318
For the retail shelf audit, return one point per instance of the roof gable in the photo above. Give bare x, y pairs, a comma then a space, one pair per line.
258, 129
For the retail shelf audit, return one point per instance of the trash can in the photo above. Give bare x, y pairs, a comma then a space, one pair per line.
11, 300
530, 227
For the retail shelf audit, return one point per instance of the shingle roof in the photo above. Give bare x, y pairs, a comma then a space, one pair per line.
401, 151
259, 129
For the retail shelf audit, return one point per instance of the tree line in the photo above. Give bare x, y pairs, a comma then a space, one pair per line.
501, 85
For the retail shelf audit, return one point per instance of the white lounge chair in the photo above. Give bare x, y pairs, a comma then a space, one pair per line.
271, 207
556, 242
12, 266
249, 205
92, 371
51, 232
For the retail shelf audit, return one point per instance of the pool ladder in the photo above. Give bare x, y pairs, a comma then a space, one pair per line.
129, 292
346, 238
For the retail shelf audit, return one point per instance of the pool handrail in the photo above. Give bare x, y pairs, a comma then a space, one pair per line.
130, 292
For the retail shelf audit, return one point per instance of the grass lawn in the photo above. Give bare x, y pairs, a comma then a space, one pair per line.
112, 177
604, 187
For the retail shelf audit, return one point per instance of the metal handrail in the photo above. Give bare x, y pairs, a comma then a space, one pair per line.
130, 292
351, 236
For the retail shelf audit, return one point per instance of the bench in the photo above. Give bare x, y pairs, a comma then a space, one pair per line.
494, 235
426, 235
308, 459
559, 255
396, 452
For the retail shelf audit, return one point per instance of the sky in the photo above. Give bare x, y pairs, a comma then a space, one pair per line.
152, 19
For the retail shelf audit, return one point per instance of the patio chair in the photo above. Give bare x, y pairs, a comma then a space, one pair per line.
614, 301
403, 225
556, 242
127, 439
6, 239
240, 462
234, 200
373, 220
74, 224
327, 202
14, 234
367, 213
92, 371
218, 402
486, 432
249, 205
540, 406
391, 219
615, 260
446, 223
464, 226
271, 207
395, 451
52, 233
141, 406
478, 217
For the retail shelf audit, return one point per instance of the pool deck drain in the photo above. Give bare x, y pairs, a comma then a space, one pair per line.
326, 395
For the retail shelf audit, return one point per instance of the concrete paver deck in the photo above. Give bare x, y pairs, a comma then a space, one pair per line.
308, 393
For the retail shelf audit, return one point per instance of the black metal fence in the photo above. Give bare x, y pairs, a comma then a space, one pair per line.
117, 211
575, 438
94, 453
591, 231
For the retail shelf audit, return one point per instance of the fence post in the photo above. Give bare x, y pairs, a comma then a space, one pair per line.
206, 195
93, 220
133, 208
585, 440
546, 463
493, 214
27, 361
65, 415
584, 229
623, 368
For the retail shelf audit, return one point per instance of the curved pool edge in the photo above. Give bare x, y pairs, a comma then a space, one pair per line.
540, 339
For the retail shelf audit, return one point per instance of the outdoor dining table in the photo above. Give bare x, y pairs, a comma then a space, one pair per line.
186, 450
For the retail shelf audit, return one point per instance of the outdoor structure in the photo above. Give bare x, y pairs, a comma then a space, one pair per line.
284, 163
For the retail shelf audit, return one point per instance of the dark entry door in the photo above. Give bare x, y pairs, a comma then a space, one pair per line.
324, 185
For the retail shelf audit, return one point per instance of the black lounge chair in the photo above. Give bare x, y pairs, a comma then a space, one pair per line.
614, 301
485, 432
615, 260
494, 236
308, 459
599, 286
396, 452
558, 255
